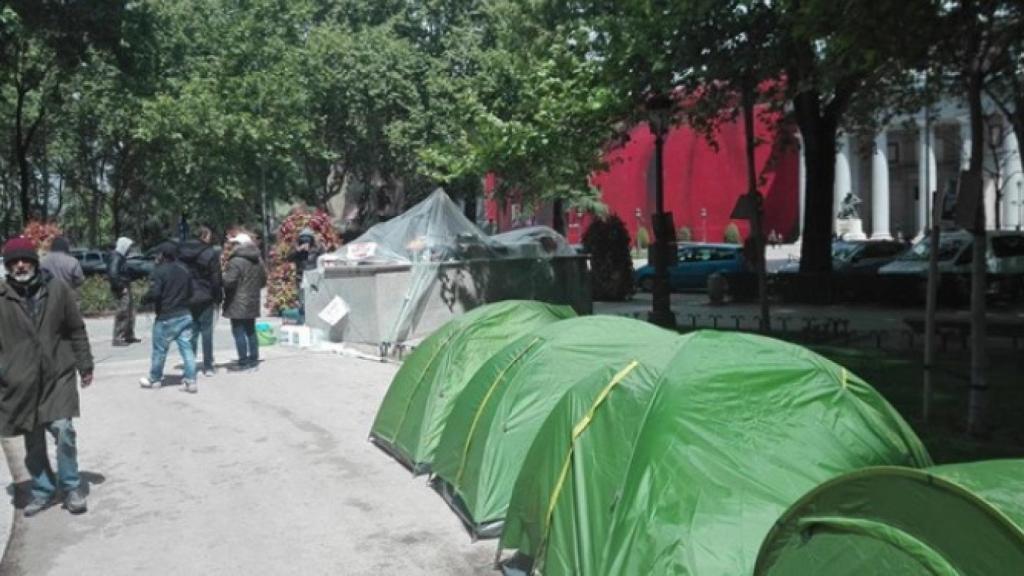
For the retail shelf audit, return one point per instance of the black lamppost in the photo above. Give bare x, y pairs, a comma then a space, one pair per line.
659, 109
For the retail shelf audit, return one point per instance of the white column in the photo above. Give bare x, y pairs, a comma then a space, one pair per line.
802, 185
1013, 193
844, 180
965, 142
928, 173
880, 188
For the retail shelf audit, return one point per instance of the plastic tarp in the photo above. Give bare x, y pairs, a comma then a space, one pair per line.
498, 414
682, 469
429, 235
960, 519
416, 406
436, 230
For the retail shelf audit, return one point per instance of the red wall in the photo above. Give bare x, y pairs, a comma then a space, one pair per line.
696, 176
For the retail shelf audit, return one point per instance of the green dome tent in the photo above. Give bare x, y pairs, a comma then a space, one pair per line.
497, 416
682, 470
411, 417
955, 520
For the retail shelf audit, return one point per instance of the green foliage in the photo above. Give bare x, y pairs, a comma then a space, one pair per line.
96, 299
732, 234
607, 242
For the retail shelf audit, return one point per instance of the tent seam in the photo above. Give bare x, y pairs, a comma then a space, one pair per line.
483, 404
577, 431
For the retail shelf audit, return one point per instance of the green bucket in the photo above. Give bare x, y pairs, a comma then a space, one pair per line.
265, 334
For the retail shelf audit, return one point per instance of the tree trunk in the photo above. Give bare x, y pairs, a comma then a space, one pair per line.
977, 415
756, 220
21, 158
819, 149
558, 216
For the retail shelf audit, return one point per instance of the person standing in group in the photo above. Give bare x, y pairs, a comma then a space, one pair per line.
304, 256
44, 350
170, 290
203, 263
62, 265
244, 278
121, 285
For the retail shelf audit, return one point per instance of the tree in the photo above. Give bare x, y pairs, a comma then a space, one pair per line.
43, 43
975, 38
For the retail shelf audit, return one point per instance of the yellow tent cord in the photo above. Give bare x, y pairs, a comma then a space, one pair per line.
419, 382
577, 431
480, 409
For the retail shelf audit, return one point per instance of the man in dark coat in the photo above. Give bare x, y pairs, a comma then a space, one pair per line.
121, 285
244, 278
44, 349
304, 256
170, 290
207, 293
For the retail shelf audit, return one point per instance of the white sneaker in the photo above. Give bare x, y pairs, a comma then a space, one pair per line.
189, 386
145, 382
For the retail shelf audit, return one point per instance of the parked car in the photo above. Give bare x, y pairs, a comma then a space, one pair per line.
695, 263
856, 257
93, 262
1004, 265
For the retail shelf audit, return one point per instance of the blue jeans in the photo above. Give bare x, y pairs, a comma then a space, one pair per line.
202, 324
248, 347
178, 330
43, 482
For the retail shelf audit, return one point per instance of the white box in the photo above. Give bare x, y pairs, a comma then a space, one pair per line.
299, 336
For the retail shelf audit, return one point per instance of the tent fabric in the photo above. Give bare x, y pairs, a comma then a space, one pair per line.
959, 519
496, 418
418, 402
682, 468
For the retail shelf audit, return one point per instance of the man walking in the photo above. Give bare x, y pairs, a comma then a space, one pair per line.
203, 263
62, 265
44, 350
121, 285
170, 290
244, 278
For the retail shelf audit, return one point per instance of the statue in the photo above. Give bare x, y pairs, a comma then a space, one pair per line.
848, 207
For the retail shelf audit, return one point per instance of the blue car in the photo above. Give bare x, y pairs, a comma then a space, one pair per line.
696, 263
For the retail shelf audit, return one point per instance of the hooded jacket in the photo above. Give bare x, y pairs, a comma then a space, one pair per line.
244, 278
41, 356
204, 264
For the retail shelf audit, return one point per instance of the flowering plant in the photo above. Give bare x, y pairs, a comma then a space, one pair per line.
41, 234
282, 284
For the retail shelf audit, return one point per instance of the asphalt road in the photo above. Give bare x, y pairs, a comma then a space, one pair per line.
266, 473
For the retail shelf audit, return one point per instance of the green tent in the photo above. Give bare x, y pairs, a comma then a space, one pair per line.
416, 406
682, 470
497, 416
955, 520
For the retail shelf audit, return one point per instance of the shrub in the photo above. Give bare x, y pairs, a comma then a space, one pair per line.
684, 234
607, 242
282, 284
96, 299
732, 234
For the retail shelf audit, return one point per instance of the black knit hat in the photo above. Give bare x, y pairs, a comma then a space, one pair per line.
60, 244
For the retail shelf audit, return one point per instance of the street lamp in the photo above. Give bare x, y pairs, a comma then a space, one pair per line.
659, 109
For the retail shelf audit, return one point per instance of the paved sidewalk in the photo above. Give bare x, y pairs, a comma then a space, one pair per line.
266, 473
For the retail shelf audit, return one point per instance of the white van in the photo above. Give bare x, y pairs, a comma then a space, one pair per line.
1004, 261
